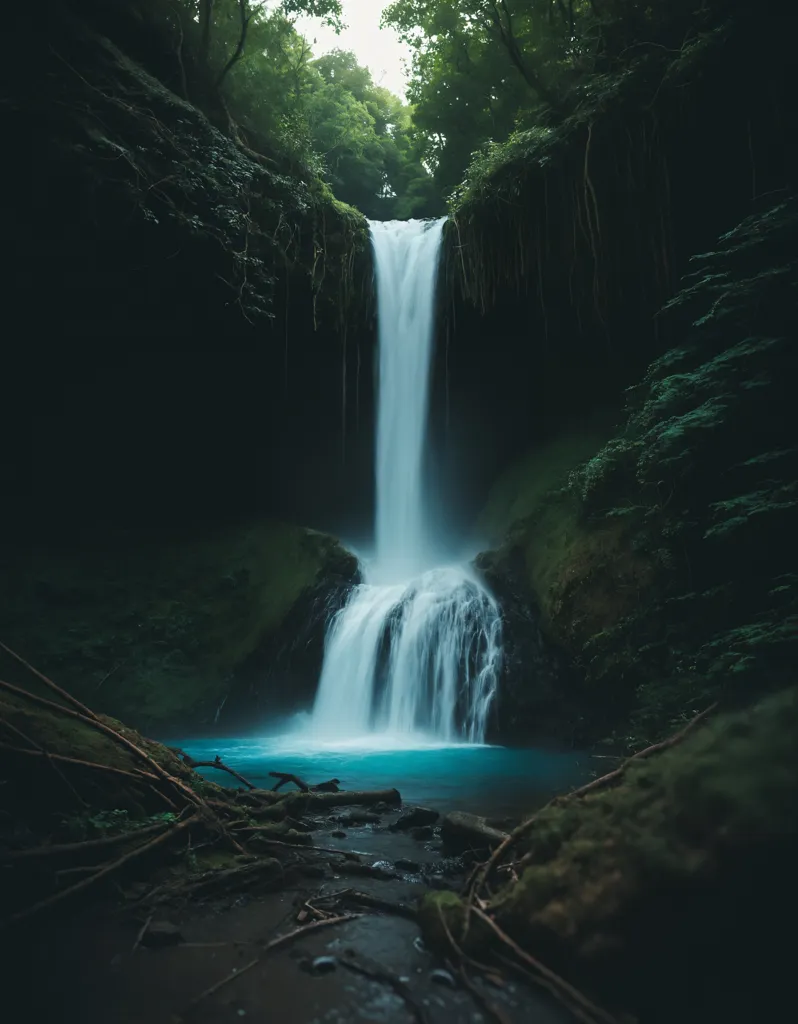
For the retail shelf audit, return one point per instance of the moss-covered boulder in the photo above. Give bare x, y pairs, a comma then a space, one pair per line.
159, 632
663, 892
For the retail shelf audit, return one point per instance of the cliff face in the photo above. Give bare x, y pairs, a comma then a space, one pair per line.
181, 305
561, 253
180, 302
161, 633
666, 564
635, 391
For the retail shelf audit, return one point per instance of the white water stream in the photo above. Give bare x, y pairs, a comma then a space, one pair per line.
415, 653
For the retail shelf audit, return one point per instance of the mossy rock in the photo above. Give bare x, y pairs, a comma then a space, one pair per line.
681, 864
154, 631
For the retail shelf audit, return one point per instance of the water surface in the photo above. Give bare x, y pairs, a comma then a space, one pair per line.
495, 781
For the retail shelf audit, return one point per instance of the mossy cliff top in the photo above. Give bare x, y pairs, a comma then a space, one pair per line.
157, 220
156, 632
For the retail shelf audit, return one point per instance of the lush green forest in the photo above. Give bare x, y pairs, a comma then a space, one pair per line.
486, 77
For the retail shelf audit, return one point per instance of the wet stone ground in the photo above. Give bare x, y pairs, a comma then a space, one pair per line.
371, 968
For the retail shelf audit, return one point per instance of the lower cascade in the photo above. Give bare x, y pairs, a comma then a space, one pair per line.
414, 656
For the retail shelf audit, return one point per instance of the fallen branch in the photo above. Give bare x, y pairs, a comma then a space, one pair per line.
578, 1003
484, 873
50, 901
95, 723
331, 786
216, 763
281, 940
77, 761
366, 899
371, 969
312, 848
40, 752
312, 800
61, 849
50, 684
486, 1006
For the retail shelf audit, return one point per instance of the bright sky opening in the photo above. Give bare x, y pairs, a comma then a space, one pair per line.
378, 49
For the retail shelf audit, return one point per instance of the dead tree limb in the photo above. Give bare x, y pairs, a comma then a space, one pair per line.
576, 1001
39, 751
63, 759
371, 969
67, 849
281, 940
526, 826
220, 765
76, 704
50, 901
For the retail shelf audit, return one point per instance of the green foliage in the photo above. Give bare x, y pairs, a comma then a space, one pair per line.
323, 114
490, 76
666, 568
94, 824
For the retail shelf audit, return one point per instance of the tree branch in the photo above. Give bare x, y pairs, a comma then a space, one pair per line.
246, 16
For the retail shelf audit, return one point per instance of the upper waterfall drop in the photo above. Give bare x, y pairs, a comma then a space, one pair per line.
414, 655
406, 255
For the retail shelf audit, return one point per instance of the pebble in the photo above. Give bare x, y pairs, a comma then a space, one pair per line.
338, 833
161, 933
441, 977
407, 865
323, 964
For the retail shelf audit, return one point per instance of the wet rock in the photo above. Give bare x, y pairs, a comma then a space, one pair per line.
359, 818
422, 833
316, 870
407, 865
415, 817
437, 881
379, 870
441, 977
160, 934
338, 833
299, 826
381, 808
463, 831
323, 964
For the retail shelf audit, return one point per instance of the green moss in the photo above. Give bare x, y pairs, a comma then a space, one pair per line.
681, 834
155, 630
521, 488
431, 908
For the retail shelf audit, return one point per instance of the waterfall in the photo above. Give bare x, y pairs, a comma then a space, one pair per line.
415, 652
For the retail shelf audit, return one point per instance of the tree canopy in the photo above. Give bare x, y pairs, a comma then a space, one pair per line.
483, 71
324, 112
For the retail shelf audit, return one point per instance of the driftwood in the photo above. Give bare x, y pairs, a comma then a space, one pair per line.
137, 775
313, 801
576, 1001
483, 873
371, 969
68, 849
281, 940
103, 872
215, 763
331, 786
461, 831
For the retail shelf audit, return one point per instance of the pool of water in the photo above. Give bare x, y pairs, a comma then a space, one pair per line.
495, 781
